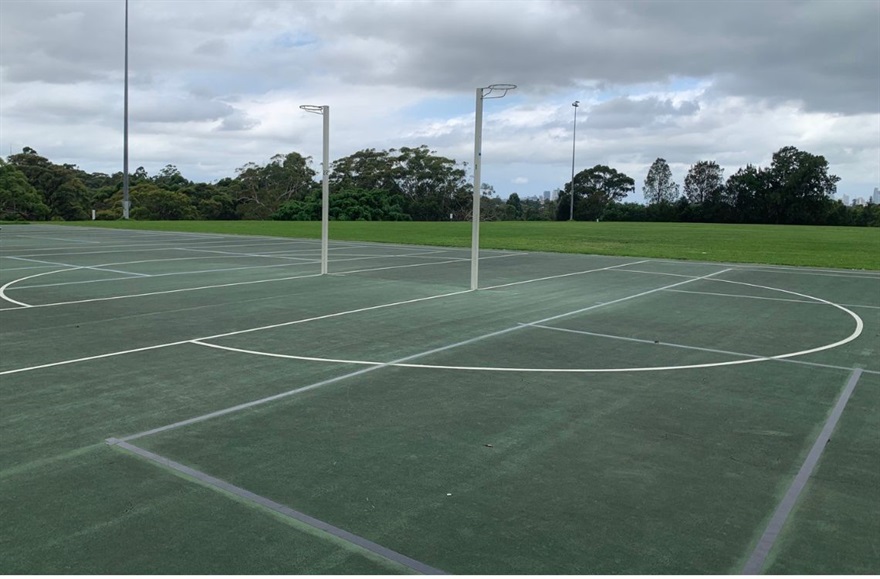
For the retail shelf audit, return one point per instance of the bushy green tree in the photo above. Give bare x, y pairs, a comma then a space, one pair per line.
594, 189
748, 191
432, 187
800, 187
59, 185
262, 190
659, 186
18, 198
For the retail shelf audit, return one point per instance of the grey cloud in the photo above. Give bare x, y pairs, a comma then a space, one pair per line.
162, 109
215, 47
238, 121
624, 113
824, 54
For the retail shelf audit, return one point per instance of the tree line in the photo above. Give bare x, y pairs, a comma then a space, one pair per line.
415, 183
796, 189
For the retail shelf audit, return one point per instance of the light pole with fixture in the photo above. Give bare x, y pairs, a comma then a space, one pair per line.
482, 94
324, 111
126, 202
575, 104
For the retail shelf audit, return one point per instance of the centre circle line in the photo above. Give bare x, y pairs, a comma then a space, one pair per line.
855, 334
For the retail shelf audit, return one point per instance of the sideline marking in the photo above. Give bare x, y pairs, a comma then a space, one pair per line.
756, 561
247, 495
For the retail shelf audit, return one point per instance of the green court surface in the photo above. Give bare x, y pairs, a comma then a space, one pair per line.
202, 403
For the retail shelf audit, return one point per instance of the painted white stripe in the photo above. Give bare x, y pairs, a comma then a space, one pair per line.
239, 254
5, 286
161, 275
770, 299
202, 341
164, 292
72, 266
855, 334
400, 362
92, 358
697, 348
147, 294
235, 333
22, 236
568, 275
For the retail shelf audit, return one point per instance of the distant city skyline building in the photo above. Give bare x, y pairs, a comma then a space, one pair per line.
876, 196
552, 195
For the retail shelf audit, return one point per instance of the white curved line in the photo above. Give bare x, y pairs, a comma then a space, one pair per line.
860, 325
273, 355
856, 333
3, 289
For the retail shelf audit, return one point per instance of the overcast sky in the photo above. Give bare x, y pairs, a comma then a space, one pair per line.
215, 84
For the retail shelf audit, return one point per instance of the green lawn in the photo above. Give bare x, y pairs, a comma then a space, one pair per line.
839, 247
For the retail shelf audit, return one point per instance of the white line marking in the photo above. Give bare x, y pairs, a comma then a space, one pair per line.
235, 333
567, 275
699, 349
795, 269
161, 275
237, 254
288, 356
666, 273
771, 299
284, 510
72, 266
91, 358
157, 293
91, 300
855, 334
447, 262
22, 236
756, 561
336, 315
399, 363
3, 289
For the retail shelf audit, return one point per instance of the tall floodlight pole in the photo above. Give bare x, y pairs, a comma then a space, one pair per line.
483, 93
573, 141
125, 200
324, 111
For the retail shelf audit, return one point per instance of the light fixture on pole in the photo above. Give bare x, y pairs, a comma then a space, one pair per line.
483, 93
126, 203
324, 111
575, 104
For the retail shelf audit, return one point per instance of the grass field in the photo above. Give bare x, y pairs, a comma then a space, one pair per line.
839, 247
